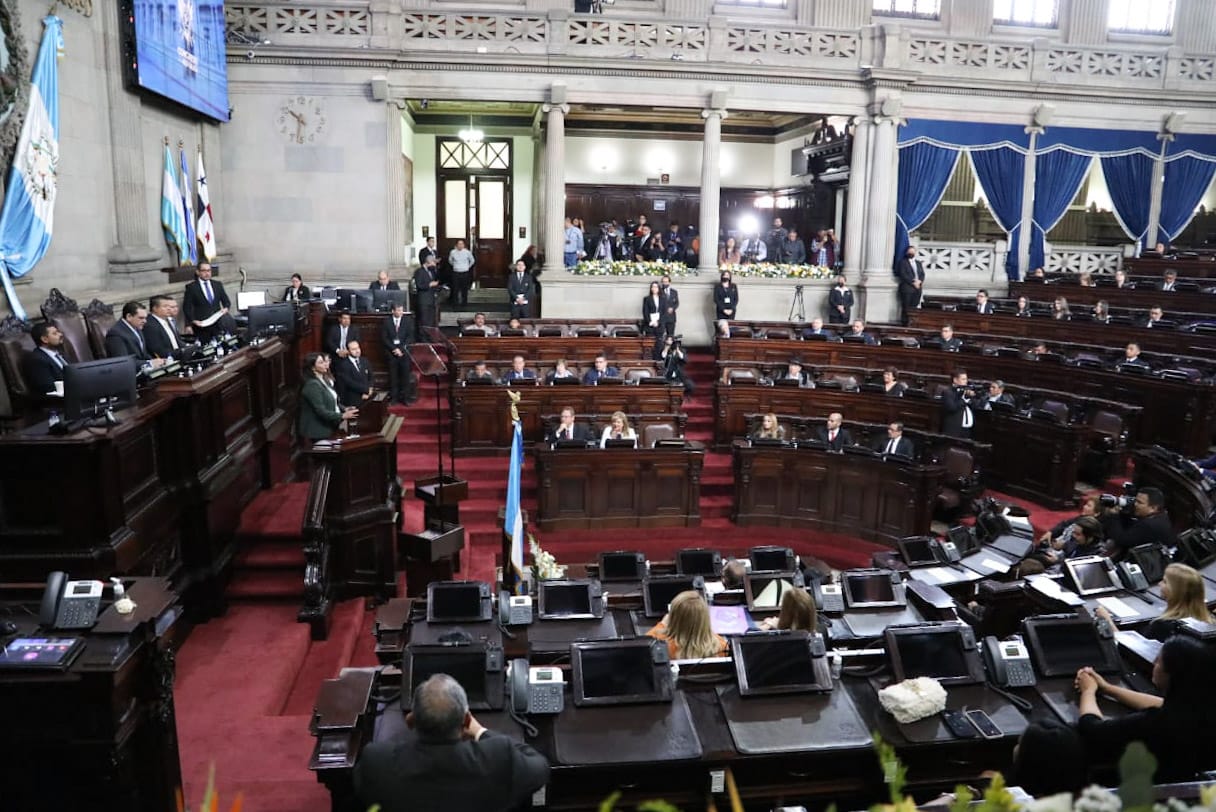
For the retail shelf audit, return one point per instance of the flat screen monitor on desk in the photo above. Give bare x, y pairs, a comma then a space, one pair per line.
620, 442
945, 652
1092, 575
620, 672
772, 558
277, 319
458, 602
355, 300
622, 565
246, 299
477, 667
91, 388
384, 300
699, 561
1060, 645
873, 589
917, 551
764, 590
570, 600
660, 590
780, 663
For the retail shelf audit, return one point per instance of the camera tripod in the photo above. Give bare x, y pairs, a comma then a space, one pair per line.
796, 306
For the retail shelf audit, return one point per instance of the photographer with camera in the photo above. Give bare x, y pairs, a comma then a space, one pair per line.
957, 417
670, 351
753, 250
1130, 522
775, 241
608, 245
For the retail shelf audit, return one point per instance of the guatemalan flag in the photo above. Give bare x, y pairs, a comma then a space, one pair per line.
513, 518
206, 228
28, 217
172, 213
188, 206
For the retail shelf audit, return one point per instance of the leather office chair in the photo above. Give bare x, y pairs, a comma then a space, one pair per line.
636, 375
657, 431
64, 314
589, 331
740, 331
15, 342
778, 332
99, 318
1052, 410
551, 330
960, 486
1107, 448
742, 376
624, 331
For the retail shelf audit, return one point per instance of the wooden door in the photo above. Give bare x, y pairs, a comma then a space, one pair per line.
474, 182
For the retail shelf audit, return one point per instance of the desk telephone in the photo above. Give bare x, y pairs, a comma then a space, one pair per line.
514, 610
829, 598
536, 690
946, 552
1132, 576
1008, 663
70, 604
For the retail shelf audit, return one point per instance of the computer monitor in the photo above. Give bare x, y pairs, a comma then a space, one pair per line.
917, 551
458, 602
780, 663
620, 672
1153, 559
276, 319
873, 589
355, 300
699, 561
621, 565
90, 388
385, 299
246, 299
1092, 575
1061, 645
772, 558
946, 652
963, 538
658, 591
477, 667
764, 590
569, 600
620, 442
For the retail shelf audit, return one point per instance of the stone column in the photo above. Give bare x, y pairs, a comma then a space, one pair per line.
711, 181
1155, 192
1086, 22
397, 252
880, 204
555, 177
854, 222
1027, 214
1195, 26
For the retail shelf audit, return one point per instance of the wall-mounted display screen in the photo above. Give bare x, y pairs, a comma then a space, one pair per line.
177, 49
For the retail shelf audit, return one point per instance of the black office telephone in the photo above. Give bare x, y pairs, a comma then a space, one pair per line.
70, 604
828, 597
536, 690
1008, 663
945, 551
1132, 576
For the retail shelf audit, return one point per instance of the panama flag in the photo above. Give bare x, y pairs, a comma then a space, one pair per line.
188, 206
513, 519
172, 215
28, 217
206, 228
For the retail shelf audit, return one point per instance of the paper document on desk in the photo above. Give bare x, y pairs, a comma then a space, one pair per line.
212, 319
1117, 607
997, 565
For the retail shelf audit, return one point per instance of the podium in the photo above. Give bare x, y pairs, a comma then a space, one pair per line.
351, 523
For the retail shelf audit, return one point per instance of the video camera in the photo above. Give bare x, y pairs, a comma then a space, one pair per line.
1124, 503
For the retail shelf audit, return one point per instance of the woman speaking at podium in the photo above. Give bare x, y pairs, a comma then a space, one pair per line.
618, 428
319, 412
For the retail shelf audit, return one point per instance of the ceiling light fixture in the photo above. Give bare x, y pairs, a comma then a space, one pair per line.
471, 135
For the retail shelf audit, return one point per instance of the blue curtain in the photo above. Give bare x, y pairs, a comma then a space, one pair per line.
1058, 175
1129, 179
1000, 175
1186, 180
924, 171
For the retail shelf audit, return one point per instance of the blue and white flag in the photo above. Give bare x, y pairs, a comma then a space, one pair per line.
513, 517
172, 213
188, 208
28, 217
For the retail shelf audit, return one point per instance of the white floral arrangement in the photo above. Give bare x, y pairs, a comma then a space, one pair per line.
1100, 799
602, 267
543, 563
773, 270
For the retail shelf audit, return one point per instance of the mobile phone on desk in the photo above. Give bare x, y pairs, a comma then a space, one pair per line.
984, 724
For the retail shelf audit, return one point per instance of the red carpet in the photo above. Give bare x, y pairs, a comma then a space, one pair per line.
246, 681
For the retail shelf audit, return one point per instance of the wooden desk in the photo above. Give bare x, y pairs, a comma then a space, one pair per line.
618, 487
101, 735
1201, 267
481, 415
1188, 499
1180, 415
1141, 298
544, 350
871, 497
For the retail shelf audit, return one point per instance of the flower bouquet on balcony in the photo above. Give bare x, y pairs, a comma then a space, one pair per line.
771, 270
544, 565
602, 267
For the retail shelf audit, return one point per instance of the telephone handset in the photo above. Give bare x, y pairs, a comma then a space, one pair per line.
1008, 663
1132, 576
70, 604
828, 598
536, 690
945, 551
514, 610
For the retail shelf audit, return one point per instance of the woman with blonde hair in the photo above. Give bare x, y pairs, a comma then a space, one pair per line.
1183, 590
769, 429
618, 428
797, 613
687, 631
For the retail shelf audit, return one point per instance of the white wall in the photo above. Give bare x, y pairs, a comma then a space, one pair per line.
634, 161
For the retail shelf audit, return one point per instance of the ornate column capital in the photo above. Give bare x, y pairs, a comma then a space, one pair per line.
714, 111
547, 108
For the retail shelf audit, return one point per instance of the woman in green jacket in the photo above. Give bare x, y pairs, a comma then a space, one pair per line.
319, 411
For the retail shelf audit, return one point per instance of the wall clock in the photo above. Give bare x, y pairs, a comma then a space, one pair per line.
300, 119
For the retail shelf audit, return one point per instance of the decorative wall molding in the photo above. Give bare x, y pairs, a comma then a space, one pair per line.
1084, 259
268, 19
968, 54
961, 257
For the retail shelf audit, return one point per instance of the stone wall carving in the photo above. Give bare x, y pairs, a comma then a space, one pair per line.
960, 258
262, 18
475, 27
970, 54
1084, 259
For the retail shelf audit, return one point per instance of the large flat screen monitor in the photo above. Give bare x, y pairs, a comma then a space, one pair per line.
355, 300
458, 602
772, 558
621, 565
1060, 645
658, 591
569, 600
246, 299
699, 561
620, 672
945, 652
873, 589
94, 386
781, 663
178, 49
764, 590
1092, 575
385, 300
272, 319
469, 665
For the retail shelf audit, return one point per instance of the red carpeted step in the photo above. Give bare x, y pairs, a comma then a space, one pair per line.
267, 585
325, 658
272, 554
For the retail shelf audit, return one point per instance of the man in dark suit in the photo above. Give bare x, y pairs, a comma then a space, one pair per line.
957, 417
338, 336
1131, 356
395, 338
982, 305
567, 429
997, 394
43, 366
480, 372
896, 442
519, 372
446, 760
669, 301
858, 331
1169, 281
840, 302
202, 299
521, 290
1155, 317
383, 283
126, 337
428, 250
1148, 524
911, 273
948, 341
353, 376
160, 331
600, 370
297, 291
832, 433
426, 285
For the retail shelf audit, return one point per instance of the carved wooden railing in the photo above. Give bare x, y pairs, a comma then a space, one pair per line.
318, 590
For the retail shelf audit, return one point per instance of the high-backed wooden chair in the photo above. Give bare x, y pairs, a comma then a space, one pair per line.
64, 314
98, 319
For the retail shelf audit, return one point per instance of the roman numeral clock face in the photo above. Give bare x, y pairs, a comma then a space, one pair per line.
300, 119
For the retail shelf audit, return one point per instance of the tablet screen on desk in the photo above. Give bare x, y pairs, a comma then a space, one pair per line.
699, 562
40, 652
457, 602
622, 565
1060, 646
465, 664
779, 664
764, 590
561, 600
1092, 575
658, 592
620, 672
945, 652
872, 589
